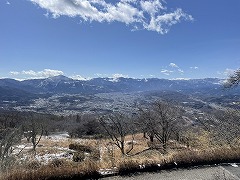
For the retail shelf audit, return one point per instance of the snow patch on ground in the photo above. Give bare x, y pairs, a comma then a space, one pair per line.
46, 158
59, 136
234, 165
46, 153
108, 171
19, 148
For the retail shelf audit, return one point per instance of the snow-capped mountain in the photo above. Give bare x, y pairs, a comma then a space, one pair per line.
63, 84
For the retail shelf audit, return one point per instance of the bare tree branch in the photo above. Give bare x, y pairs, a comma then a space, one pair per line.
233, 80
117, 127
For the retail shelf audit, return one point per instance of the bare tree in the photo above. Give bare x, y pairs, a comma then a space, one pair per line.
34, 129
9, 118
146, 123
9, 137
233, 80
223, 125
117, 127
227, 125
161, 119
35, 141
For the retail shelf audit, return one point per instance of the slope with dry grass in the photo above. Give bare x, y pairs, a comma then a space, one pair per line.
202, 150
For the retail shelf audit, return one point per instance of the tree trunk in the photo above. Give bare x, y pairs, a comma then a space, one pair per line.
145, 135
164, 147
122, 148
151, 138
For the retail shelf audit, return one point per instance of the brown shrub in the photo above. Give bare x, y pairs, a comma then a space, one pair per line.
78, 156
33, 165
80, 147
57, 163
95, 155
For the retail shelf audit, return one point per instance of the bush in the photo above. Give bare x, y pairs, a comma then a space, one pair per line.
95, 155
80, 147
78, 156
33, 165
57, 163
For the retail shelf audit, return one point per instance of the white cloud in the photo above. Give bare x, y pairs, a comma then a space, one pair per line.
14, 73
174, 69
166, 72
8, 3
228, 72
151, 7
173, 65
46, 15
195, 67
183, 79
151, 15
79, 77
115, 76
162, 23
37, 74
180, 71
98, 74
101, 75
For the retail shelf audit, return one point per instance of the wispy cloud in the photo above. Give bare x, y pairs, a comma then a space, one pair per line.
8, 3
79, 77
101, 75
183, 79
173, 65
14, 73
166, 72
117, 75
174, 69
195, 67
180, 71
228, 72
37, 74
150, 15
225, 73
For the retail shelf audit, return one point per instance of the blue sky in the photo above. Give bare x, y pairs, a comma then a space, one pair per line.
140, 39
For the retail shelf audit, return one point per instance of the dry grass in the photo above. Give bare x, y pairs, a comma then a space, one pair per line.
109, 156
51, 171
182, 159
208, 156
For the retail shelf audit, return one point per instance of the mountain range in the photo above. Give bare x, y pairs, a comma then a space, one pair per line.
61, 92
63, 84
